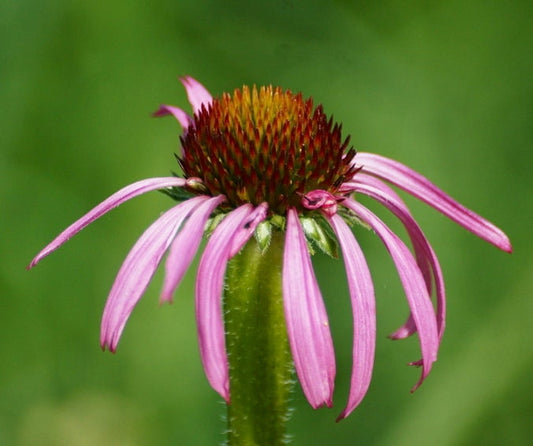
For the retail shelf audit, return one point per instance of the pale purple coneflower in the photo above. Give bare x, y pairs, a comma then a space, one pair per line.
267, 157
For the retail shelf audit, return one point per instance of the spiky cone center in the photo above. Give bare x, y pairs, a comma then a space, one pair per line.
265, 145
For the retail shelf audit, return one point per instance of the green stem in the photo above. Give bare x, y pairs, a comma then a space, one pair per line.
258, 351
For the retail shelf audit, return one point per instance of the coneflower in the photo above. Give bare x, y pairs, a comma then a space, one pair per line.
268, 177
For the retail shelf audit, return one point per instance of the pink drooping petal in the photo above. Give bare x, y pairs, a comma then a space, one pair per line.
418, 239
306, 318
360, 182
413, 284
137, 270
196, 93
247, 228
183, 118
364, 313
124, 194
185, 245
209, 289
420, 187
425, 254
407, 329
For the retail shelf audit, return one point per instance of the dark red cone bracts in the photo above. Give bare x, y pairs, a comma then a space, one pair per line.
265, 144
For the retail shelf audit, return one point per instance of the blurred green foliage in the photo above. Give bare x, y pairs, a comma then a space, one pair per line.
445, 87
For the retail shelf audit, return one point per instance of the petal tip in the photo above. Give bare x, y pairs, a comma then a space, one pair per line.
105, 346
398, 335
107, 343
423, 376
342, 416
417, 385
196, 92
161, 111
165, 298
36, 260
507, 247
501, 241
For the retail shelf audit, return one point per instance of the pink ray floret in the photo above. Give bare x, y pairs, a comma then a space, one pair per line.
181, 116
413, 284
197, 95
425, 256
196, 92
185, 245
138, 269
364, 313
423, 189
306, 318
112, 202
209, 290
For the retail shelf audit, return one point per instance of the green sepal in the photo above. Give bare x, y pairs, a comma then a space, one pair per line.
177, 193
212, 223
320, 234
278, 221
353, 220
330, 235
263, 235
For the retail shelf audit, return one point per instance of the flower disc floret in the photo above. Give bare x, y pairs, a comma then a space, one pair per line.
265, 145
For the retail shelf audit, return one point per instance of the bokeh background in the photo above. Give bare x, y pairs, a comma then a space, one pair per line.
446, 87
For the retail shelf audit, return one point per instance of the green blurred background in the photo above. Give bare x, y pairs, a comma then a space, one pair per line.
445, 87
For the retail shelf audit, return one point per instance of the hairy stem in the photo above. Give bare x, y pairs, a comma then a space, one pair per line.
256, 339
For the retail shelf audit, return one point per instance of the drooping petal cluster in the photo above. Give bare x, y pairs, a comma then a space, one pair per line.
264, 156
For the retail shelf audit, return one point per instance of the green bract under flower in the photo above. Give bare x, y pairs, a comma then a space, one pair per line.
265, 145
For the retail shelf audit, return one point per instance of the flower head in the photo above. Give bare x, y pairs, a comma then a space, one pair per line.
262, 160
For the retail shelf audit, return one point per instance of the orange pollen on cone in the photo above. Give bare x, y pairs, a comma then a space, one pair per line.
265, 144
